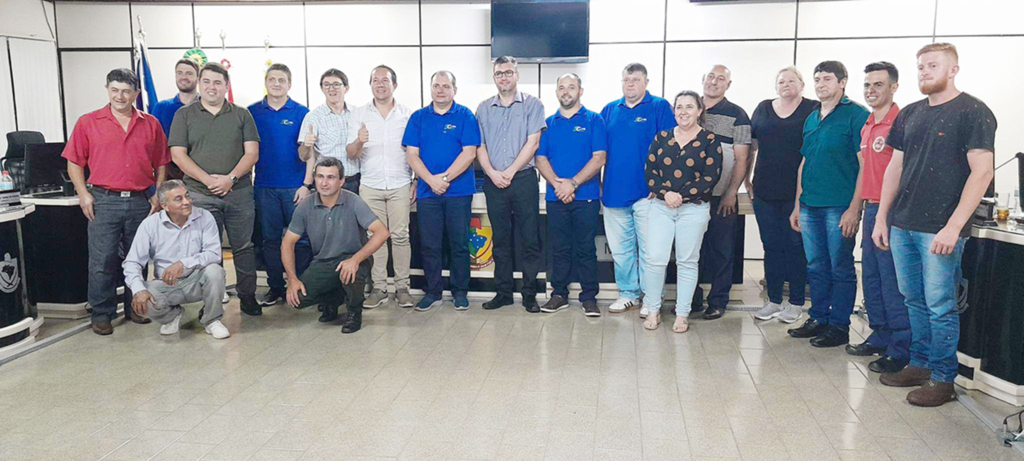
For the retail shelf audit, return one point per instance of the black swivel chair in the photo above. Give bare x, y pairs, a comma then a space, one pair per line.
14, 160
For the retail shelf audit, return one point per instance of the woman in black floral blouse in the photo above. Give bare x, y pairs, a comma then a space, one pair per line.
683, 167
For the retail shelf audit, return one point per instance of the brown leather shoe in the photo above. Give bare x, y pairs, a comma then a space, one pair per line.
136, 318
932, 394
907, 377
102, 326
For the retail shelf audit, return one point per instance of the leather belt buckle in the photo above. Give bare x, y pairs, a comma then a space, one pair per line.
126, 194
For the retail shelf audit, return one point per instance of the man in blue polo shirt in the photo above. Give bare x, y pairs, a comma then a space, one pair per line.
827, 213
186, 77
632, 123
571, 154
280, 176
441, 141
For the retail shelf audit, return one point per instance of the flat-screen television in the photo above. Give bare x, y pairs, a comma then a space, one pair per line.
541, 30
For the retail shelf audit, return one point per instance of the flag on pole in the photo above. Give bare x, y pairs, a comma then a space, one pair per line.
147, 97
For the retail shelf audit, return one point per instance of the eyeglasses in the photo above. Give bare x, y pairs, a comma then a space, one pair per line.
335, 85
507, 73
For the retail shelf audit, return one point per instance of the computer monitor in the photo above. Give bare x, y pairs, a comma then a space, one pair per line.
44, 167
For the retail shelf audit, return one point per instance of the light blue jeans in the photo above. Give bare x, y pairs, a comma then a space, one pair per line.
626, 230
928, 282
686, 225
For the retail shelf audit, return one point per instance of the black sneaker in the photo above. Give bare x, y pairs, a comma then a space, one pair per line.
809, 329
590, 309
249, 306
832, 337
330, 314
498, 302
555, 303
530, 303
271, 298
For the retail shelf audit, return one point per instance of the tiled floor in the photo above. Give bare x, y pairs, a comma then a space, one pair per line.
472, 385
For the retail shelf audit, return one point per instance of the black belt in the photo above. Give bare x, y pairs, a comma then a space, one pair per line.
115, 193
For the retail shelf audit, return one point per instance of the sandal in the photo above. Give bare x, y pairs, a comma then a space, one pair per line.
653, 321
681, 325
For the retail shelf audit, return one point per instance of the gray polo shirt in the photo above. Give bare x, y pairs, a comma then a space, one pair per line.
333, 232
503, 130
214, 142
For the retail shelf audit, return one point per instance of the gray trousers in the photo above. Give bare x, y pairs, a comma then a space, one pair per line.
236, 212
205, 284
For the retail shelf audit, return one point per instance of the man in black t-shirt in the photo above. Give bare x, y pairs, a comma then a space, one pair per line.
941, 166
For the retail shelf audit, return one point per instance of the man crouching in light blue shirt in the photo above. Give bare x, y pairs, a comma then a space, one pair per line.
184, 246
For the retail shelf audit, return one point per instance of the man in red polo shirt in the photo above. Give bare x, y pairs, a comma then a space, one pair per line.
126, 153
887, 314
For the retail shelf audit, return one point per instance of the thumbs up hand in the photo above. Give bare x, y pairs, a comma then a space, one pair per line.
364, 134
310, 139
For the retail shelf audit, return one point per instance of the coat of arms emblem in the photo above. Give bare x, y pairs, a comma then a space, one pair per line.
9, 277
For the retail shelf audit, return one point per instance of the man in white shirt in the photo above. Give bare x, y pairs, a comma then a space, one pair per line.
324, 130
183, 243
375, 131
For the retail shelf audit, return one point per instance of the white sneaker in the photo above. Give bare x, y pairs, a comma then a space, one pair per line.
769, 311
171, 328
790, 313
227, 298
217, 330
623, 305
644, 312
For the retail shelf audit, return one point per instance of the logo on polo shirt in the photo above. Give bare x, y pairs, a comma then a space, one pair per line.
579, 129
449, 127
879, 144
640, 120
287, 122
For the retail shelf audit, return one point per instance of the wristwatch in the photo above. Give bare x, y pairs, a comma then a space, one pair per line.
444, 178
234, 179
575, 185
309, 186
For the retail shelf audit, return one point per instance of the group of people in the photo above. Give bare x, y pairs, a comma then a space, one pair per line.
333, 185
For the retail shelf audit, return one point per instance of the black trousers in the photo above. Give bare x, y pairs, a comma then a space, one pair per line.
716, 255
519, 203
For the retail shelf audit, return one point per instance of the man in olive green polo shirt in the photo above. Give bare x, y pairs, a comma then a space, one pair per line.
215, 144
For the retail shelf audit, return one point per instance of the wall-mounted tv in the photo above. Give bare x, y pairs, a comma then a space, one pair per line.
541, 30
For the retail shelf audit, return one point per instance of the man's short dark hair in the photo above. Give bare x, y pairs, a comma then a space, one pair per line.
216, 67
506, 60
188, 62
332, 72
446, 73
282, 68
328, 162
391, 73
894, 75
833, 67
123, 75
635, 67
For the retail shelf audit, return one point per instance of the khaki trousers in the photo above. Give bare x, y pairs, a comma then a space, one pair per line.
392, 208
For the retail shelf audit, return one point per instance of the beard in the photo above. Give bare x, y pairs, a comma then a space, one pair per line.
569, 105
937, 86
186, 88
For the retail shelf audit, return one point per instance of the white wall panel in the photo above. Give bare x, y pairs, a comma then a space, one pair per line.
93, 25
7, 116
165, 25
866, 18
248, 71
25, 18
855, 54
85, 76
457, 24
356, 63
627, 21
602, 76
474, 73
1001, 91
394, 23
37, 86
753, 66
979, 17
250, 25
710, 21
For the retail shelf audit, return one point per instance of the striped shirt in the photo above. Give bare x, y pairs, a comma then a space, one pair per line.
331, 132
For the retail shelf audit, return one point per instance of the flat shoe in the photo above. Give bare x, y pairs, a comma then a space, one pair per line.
653, 321
681, 325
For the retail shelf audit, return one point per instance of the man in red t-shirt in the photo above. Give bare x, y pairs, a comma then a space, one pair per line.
887, 314
126, 153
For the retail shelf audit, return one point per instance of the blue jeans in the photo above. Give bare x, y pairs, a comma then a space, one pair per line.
626, 231
887, 314
110, 236
716, 255
436, 217
829, 266
275, 207
784, 259
572, 228
928, 282
686, 225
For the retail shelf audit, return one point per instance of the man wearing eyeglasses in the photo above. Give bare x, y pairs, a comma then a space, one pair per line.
510, 127
324, 131
376, 131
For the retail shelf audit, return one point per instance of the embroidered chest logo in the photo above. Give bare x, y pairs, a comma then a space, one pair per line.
579, 129
287, 122
449, 127
879, 144
9, 277
640, 120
